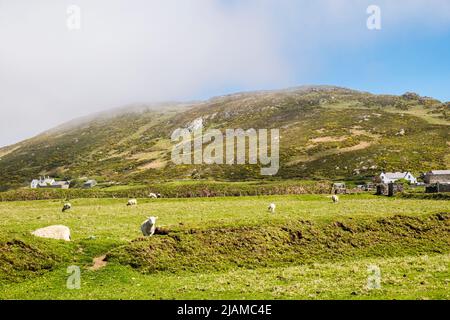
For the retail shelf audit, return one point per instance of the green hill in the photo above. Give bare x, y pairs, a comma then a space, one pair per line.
326, 132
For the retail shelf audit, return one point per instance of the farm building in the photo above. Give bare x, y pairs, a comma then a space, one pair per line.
60, 185
388, 177
389, 189
47, 182
338, 187
42, 182
89, 184
437, 176
370, 186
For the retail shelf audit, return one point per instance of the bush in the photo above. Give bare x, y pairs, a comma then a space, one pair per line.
425, 196
175, 190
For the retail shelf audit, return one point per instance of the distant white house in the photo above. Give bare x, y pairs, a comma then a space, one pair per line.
42, 182
47, 182
388, 177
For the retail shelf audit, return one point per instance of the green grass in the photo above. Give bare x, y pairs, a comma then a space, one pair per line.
111, 218
121, 187
418, 277
422, 113
230, 248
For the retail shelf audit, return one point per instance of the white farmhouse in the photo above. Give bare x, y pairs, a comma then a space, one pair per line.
47, 182
388, 177
42, 182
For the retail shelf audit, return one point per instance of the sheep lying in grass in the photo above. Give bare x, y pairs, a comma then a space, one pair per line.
132, 202
154, 195
66, 206
148, 226
58, 232
335, 198
271, 208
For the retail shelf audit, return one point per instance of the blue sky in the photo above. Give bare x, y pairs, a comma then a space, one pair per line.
411, 52
139, 51
418, 63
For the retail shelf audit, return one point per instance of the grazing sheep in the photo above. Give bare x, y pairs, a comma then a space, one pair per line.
148, 226
66, 206
335, 198
132, 202
58, 232
154, 195
271, 208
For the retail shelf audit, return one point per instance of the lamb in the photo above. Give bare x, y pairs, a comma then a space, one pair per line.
132, 202
66, 206
335, 198
154, 195
148, 226
57, 232
271, 208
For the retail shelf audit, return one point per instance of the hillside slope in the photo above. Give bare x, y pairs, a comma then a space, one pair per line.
326, 132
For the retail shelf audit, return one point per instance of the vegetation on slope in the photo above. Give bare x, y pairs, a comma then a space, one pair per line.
326, 132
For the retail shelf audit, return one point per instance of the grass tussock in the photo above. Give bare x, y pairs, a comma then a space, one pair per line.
20, 260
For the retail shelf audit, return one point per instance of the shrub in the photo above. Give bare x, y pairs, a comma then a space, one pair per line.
175, 190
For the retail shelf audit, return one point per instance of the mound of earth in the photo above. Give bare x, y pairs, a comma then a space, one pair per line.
19, 260
297, 243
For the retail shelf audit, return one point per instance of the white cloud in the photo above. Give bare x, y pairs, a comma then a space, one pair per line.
143, 51
125, 52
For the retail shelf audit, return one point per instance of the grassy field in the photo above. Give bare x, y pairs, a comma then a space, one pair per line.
230, 248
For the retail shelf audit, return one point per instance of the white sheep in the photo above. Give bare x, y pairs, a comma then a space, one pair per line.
66, 206
148, 227
271, 208
132, 202
58, 232
154, 195
335, 198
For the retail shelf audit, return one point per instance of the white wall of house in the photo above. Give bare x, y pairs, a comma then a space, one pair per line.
411, 178
392, 177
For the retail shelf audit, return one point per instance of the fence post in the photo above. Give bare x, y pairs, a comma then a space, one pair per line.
391, 189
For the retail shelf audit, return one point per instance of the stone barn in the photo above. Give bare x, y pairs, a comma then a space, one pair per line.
437, 176
338, 188
388, 189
